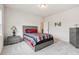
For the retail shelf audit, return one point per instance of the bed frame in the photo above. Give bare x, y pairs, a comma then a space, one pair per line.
39, 46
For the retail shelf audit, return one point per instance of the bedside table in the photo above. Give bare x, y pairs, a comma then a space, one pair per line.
13, 39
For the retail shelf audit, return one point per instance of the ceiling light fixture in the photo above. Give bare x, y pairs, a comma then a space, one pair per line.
43, 5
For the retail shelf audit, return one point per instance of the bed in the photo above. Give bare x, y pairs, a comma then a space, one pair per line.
35, 40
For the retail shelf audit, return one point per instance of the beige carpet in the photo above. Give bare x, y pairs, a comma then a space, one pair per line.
58, 48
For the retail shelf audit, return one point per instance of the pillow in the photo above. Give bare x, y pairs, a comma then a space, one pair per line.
31, 30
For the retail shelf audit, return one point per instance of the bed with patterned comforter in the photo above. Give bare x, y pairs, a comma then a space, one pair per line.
36, 40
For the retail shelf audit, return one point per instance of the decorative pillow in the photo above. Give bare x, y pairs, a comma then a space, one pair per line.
31, 30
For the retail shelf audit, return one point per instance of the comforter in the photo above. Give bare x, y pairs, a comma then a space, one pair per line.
36, 38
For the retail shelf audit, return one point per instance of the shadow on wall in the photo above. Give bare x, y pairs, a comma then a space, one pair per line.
56, 40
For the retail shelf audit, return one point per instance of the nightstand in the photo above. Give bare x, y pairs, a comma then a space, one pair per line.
13, 40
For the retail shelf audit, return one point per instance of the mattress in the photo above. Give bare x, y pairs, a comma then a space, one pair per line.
37, 38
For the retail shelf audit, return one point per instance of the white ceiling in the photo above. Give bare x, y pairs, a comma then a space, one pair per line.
35, 8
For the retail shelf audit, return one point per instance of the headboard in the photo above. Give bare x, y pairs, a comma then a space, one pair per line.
29, 27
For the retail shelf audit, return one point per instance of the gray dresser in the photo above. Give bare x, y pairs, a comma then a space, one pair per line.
74, 37
13, 39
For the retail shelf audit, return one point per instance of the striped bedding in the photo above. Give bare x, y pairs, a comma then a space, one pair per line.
35, 38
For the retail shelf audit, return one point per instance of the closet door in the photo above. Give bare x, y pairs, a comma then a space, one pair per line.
46, 27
